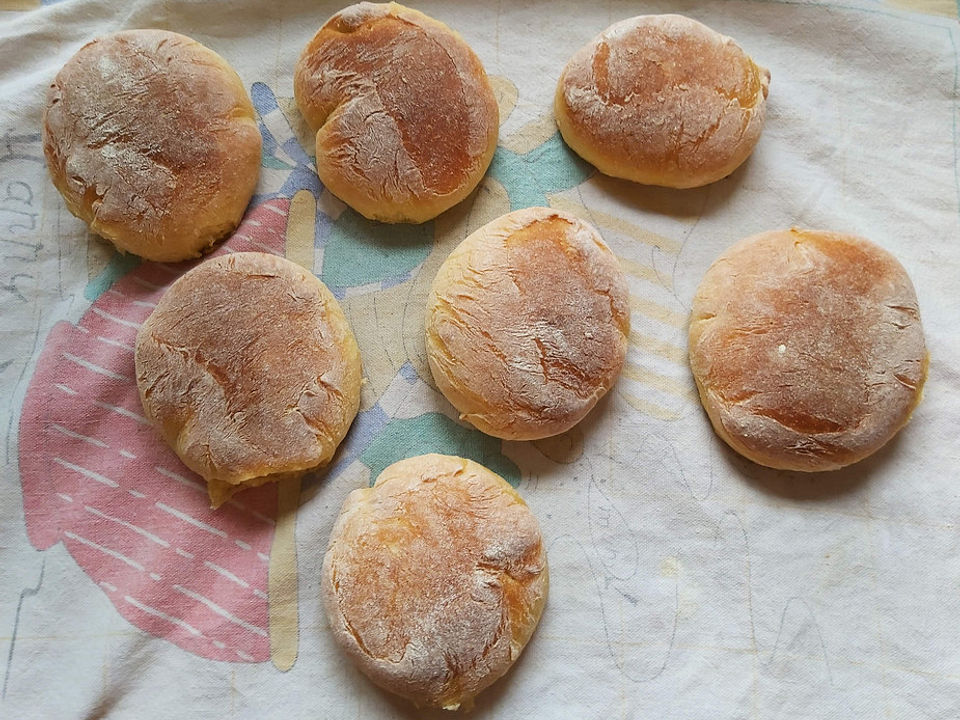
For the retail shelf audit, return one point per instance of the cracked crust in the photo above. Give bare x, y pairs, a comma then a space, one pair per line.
527, 324
807, 348
249, 368
151, 139
434, 579
662, 100
406, 119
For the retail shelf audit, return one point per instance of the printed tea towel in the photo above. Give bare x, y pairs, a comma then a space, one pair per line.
686, 582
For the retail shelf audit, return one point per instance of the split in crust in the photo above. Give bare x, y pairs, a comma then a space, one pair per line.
250, 370
662, 100
434, 579
406, 119
151, 139
807, 348
527, 324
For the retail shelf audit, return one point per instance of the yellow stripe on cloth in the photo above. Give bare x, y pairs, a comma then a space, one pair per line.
300, 229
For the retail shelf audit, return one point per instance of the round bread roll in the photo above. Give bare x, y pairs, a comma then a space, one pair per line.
662, 100
527, 324
249, 368
434, 579
807, 348
405, 117
150, 138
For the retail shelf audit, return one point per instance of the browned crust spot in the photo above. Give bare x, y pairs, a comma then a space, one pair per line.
406, 119
248, 366
527, 324
664, 100
807, 348
434, 579
150, 137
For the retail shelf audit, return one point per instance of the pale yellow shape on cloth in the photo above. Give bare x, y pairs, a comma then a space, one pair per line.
301, 222
377, 320
532, 135
282, 580
650, 408
19, 4
506, 94
305, 136
947, 8
663, 383
666, 350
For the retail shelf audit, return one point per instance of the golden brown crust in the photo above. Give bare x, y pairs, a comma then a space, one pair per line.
527, 324
435, 579
406, 119
151, 139
249, 368
807, 348
662, 100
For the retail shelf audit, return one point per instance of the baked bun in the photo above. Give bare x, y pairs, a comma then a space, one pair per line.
151, 139
662, 100
249, 368
807, 348
527, 324
434, 579
405, 117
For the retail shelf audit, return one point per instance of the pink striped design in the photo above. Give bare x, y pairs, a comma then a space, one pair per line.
113, 545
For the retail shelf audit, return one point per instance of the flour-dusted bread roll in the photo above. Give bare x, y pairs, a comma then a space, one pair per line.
406, 119
662, 100
807, 348
434, 579
151, 139
527, 324
249, 368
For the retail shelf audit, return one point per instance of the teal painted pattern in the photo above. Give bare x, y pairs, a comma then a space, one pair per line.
274, 163
436, 433
360, 252
549, 168
120, 264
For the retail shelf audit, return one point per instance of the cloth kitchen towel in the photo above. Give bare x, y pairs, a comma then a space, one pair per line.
686, 582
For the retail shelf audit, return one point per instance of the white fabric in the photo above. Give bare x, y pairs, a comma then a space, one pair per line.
685, 581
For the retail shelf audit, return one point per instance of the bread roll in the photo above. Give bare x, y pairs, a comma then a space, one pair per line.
435, 579
405, 117
250, 370
527, 324
807, 348
662, 100
151, 139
